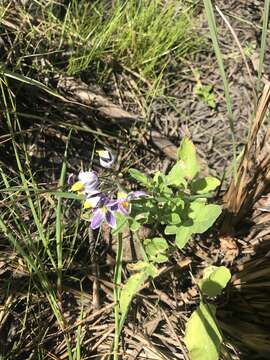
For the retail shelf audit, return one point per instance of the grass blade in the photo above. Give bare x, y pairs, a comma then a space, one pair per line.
263, 43
58, 224
214, 36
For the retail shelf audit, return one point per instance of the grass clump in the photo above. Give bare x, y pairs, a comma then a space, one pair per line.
143, 36
32, 233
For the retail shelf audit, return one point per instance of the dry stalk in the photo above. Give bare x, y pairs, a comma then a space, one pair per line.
253, 172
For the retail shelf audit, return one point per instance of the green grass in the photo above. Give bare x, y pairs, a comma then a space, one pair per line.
37, 245
263, 43
142, 36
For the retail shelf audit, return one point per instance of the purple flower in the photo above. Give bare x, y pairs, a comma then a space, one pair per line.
105, 212
87, 182
123, 201
71, 179
93, 199
106, 158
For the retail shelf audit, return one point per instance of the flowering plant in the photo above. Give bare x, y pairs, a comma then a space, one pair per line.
173, 205
103, 208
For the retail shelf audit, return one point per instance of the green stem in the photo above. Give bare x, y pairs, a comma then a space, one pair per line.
117, 290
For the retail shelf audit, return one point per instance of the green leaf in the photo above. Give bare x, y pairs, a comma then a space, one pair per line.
195, 207
129, 290
160, 244
206, 94
204, 217
140, 177
197, 218
170, 229
161, 184
188, 162
176, 176
67, 195
159, 178
205, 185
156, 249
203, 338
214, 280
173, 218
135, 225
160, 258
183, 235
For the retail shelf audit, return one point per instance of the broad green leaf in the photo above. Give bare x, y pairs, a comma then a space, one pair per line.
156, 249
170, 217
159, 178
129, 290
161, 258
162, 199
158, 244
174, 218
204, 217
161, 184
188, 159
170, 229
205, 185
203, 338
176, 176
142, 218
140, 177
195, 208
197, 218
183, 235
179, 203
214, 280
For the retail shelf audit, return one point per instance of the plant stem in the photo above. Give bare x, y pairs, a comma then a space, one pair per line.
117, 283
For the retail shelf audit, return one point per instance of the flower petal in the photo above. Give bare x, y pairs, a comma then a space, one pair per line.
89, 179
106, 158
110, 218
106, 163
112, 205
124, 207
136, 194
93, 199
98, 217
71, 179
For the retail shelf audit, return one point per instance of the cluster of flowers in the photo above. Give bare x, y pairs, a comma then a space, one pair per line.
103, 208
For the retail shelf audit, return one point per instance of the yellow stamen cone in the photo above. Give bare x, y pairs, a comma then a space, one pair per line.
77, 186
87, 205
102, 153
